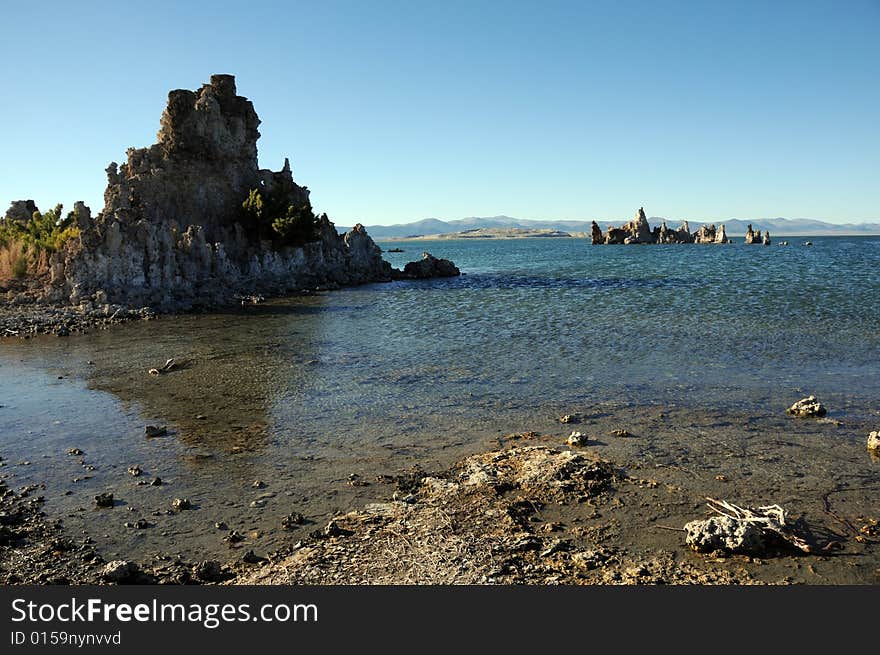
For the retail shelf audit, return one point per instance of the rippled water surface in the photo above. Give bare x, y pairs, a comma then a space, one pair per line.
302, 392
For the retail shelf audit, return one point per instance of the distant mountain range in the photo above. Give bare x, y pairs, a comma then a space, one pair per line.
776, 226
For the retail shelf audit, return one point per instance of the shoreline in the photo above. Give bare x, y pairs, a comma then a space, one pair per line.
533, 511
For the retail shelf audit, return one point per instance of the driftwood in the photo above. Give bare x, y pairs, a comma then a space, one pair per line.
770, 518
165, 368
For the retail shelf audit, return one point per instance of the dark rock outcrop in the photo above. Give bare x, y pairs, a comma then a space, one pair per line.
21, 211
427, 267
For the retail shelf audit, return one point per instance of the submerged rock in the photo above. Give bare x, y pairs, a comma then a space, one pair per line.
807, 407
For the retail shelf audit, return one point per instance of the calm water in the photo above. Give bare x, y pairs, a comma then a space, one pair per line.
302, 392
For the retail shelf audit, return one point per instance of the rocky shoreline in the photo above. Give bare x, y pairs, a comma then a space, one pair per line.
27, 315
530, 511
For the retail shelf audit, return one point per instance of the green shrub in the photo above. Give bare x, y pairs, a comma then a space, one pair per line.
273, 219
46, 232
23, 246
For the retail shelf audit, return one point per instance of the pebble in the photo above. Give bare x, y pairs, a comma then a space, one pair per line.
75, 451
576, 439
135, 470
291, 520
180, 504
104, 500
152, 431
140, 524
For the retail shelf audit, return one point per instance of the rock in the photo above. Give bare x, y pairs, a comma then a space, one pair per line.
258, 484
251, 558
766, 240
807, 408
428, 267
180, 504
620, 433
874, 442
596, 233
104, 499
569, 418
140, 524
292, 520
721, 236
638, 230
683, 234
75, 451
209, 571
21, 211
752, 236
156, 482
173, 229
135, 471
725, 534
332, 529
706, 234
576, 439
152, 431
120, 571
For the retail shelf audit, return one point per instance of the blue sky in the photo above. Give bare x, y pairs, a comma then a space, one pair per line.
396, 111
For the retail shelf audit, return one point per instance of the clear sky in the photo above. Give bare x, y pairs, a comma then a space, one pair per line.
397, 111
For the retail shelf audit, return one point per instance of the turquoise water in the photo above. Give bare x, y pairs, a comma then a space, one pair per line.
302, 392
663, 319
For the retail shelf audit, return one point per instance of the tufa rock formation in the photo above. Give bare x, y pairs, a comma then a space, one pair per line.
639, 231
807, 407
754, 236
428, 267
192, 219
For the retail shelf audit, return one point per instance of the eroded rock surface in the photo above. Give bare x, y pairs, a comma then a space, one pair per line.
173, 231
427, 267
807, 408
638, 231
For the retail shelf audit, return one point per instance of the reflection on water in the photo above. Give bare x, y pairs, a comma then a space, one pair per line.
302, 392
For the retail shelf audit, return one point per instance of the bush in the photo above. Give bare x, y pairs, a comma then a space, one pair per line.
272, 219
23, 246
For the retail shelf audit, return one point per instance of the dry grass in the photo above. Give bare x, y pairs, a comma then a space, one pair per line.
19, 259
